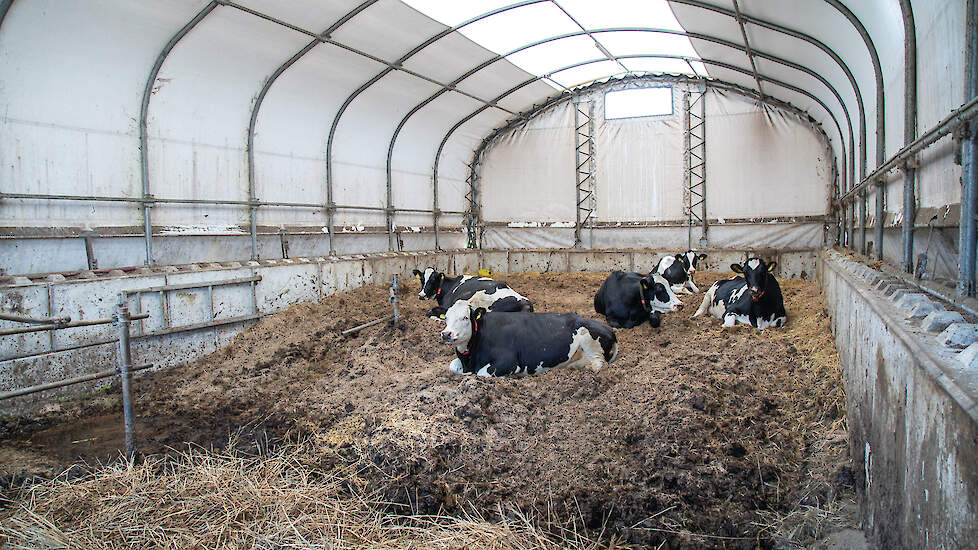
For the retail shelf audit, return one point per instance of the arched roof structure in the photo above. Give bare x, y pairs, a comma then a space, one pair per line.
360, 85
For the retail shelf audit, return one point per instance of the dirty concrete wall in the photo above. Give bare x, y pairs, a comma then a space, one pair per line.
912, 413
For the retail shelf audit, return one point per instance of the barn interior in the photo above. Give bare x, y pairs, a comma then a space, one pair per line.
204, 202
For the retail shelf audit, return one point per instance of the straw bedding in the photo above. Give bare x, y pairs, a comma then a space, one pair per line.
697, 437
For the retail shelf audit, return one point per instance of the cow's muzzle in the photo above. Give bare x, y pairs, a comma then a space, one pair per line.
447, 337
756, 294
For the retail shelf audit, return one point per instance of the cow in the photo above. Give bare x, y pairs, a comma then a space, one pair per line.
754, 299
679, 270
493, 343
481, 291
629, 299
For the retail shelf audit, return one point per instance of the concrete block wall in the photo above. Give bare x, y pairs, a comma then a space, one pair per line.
189, 327
912, 393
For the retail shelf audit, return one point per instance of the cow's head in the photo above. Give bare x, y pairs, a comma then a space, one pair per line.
757, 273
690, 260
461, 322
657, 295
430, 283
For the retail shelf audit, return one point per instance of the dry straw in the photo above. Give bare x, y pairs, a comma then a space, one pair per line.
204, 500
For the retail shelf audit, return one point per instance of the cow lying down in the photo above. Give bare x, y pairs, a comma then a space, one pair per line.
679, 270
522, 343
479, 291
754, 299
629, 299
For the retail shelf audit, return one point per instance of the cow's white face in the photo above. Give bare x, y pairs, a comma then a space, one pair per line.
458, 324
660, 296
691, 262
427, 289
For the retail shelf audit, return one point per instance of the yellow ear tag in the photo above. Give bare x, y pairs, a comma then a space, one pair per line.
442, 316
416, 276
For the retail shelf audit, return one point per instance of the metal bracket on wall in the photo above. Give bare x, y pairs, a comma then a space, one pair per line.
694, 162
584, 171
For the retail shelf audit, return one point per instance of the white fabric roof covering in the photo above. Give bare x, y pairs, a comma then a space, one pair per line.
74, 73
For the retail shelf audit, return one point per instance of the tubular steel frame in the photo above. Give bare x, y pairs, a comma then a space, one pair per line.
848, 196
147, 199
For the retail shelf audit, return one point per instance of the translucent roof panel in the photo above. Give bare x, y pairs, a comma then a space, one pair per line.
587, 73
512, 29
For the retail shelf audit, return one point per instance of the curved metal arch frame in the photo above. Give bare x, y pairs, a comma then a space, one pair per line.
564, 96
628, 29
880, 125
732, 67
400, 61
260, 98
589, 32
697, 4
144, 116
909, 130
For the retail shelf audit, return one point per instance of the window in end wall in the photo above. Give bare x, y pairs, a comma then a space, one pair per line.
638, 102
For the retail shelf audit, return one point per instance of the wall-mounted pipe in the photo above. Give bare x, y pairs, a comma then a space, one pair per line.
144, 116
909, 130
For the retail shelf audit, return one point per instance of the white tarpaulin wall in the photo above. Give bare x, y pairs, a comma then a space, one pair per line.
74, 73
754, 153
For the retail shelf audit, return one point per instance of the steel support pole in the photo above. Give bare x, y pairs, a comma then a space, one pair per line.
124, 358
880, 215
968, 227
144, 116
909, 130
862, 222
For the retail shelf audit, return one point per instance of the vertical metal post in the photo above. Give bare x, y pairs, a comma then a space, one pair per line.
283, 236
90, 249
862, 222
253, 214
909, 214
909, 129
880, 214
968, 227
124, 359
397, 310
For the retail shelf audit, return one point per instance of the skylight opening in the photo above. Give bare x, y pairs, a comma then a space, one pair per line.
638, 102
515, 28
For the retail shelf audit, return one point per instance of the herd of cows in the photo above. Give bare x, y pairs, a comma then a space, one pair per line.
496, 332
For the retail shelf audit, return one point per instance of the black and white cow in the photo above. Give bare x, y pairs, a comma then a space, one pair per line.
480, 291
679, 270
522, 343
629, 299
754, 299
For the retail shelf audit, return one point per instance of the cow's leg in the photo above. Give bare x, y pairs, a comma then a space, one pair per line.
484, 371
729, 320
707, 300
456, 366
691, 286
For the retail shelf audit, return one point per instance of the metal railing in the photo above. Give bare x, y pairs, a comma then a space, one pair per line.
124, 368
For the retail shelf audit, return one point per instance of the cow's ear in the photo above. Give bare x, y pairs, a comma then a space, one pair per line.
736, 268
417, 273
441, 277
644, 283
771, 266
701, 257
478, 313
